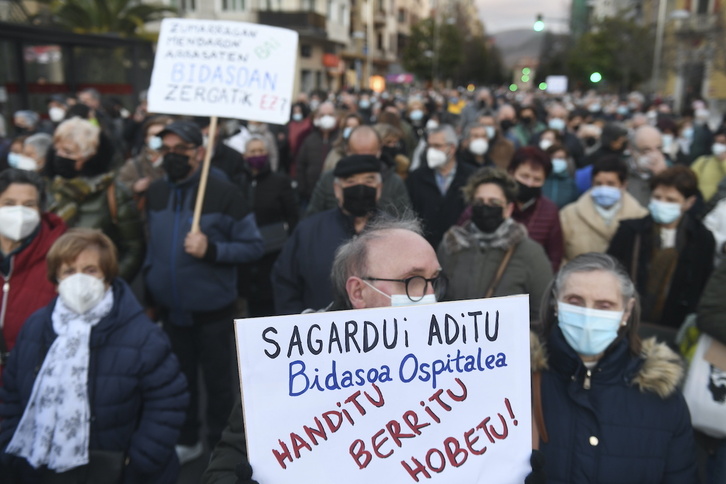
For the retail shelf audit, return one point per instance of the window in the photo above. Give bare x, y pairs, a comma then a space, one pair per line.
306, 50
330, 11
306, 80
401, 16
379, 41
344, 14
233, 5
185, 5
308, 5
702, 7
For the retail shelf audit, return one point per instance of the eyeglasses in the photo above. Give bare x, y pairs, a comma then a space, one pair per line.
416, 285
178, 149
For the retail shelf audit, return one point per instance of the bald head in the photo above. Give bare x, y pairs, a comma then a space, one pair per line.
506, 112
646, 136
364, 140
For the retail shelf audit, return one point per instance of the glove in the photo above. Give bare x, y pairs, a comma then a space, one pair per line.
243, 471
537, 476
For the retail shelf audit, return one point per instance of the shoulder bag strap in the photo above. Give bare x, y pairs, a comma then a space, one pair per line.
539, 431
635, 259
112, 205
500, 272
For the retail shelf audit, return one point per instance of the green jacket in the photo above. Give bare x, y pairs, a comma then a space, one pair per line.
471, 264
84, 202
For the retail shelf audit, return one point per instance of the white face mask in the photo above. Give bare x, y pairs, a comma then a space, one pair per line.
22, 162
56, 114
479, 146
81, 292
403, 299
544, 144
718, 149
432, 124
327, 122
297, 117
491, 131
435, 158
154, 143
17, 222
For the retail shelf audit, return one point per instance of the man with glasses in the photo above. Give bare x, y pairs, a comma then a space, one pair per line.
435, 188
192, 276
301, 275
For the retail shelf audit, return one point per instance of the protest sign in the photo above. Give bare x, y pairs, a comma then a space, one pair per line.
435, 393
221, 68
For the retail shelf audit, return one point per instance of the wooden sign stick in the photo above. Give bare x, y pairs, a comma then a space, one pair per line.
205, 174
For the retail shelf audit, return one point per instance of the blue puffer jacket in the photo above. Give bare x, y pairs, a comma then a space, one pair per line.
630, 426
137, 395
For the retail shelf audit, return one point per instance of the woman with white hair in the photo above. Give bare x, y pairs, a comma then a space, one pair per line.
35, 150
606, 404
86, 193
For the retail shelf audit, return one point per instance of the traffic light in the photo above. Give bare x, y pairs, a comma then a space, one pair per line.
525, 74
539, 23
595, 77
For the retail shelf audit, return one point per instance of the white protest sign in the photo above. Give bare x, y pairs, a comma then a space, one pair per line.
556, 84
435, 393
226, 69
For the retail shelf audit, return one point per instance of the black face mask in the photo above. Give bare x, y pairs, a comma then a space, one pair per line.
487, 218
506, 124
390, 152
527, 193
65, 167
176, 166
359, 200
590, 141
482, 104
527, 120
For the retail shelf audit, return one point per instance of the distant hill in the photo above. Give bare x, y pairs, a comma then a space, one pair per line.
518, 43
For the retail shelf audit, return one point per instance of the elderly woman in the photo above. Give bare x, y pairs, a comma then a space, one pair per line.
491, 255
26, 234
138, 172
86, 194
92, 387
34, 151
610, 409
530, 167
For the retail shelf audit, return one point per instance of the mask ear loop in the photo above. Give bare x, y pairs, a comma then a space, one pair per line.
375, 288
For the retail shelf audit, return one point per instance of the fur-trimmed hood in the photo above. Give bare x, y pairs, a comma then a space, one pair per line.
659, 371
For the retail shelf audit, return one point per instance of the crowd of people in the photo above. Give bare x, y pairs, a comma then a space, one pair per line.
608, 211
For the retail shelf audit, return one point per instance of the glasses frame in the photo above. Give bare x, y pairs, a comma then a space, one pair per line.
434, 281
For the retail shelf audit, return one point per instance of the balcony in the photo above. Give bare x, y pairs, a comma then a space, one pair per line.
697, 24
308, 24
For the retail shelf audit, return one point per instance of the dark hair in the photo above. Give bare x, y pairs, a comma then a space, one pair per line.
23, 177
533, 156
555, 148
612, 132
612, 164
69, 245
489, 174
679, 177
592, 262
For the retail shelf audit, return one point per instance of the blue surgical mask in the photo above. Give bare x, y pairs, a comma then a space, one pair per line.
588, 331
416, 115
559, 165
346, 132
664, 212
606, 196
491, 132
558, 124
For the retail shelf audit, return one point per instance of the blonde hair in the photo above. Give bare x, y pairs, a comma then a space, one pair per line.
68, 247
81, 133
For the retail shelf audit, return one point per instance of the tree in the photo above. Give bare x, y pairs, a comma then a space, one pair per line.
618, 48
434, 50
122, 17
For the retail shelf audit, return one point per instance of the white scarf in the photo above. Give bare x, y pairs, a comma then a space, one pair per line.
55, 426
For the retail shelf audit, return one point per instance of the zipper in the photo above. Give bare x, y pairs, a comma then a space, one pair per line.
175, 236
6, 294
588, 379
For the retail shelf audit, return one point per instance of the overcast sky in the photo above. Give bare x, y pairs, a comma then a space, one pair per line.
500, 15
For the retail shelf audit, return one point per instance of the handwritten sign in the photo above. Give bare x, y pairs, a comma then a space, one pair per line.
435, 393
226, 69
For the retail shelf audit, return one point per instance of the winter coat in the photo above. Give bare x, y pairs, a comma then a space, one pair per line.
394, 197
560, 188
542, 221
84, 202
438, 212
310, 159
28, 284
187, 286
471, 268
631, 426
712, 308
136, 393
695, 262
584, 229
301, 275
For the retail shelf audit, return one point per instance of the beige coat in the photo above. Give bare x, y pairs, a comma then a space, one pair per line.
584, 229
